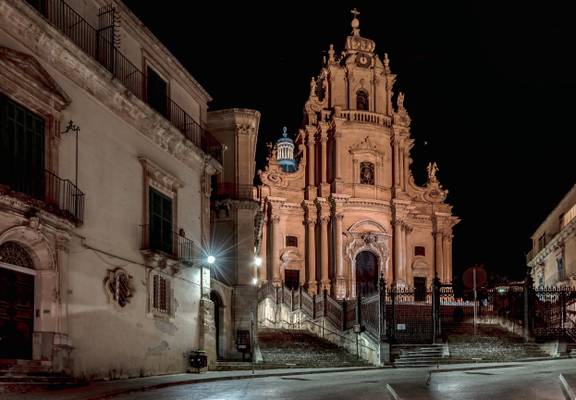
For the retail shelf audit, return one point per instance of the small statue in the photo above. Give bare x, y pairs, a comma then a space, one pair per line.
331, 52
400, 101
432, 170
312, 87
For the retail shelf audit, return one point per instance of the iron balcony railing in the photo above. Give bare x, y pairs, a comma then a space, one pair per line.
168, 243
231, 190
49, 192
98, 45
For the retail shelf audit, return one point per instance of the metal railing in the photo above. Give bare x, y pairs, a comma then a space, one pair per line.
97, 45
171, 244
49, 192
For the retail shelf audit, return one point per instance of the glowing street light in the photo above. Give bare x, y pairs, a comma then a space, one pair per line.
210, 259
254, 281
257, 261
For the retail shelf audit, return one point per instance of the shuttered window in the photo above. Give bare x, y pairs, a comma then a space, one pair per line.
161, 238
21, 149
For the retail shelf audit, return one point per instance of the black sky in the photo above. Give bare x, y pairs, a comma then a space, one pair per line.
491, 91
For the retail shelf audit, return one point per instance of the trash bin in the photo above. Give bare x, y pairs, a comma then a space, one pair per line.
198, 360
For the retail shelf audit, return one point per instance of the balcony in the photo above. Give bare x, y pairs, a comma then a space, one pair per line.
49, 192
364, 117
231, 190
167, 243
99, 44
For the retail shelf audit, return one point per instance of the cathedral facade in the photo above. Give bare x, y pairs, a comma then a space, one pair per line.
347, 210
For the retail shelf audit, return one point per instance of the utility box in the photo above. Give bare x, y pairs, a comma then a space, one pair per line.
198, 361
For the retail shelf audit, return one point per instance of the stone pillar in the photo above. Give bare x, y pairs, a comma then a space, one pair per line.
263, 276
310, 153
275, 256
340, 280
311, 254
207, 339
324, 164
398, 267
337, 168
324, 252
396, 164
447, 251
438, 257
407, 252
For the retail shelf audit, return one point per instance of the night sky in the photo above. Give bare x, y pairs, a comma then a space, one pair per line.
491, 93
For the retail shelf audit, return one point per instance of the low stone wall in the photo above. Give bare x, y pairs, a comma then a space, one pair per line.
279, 316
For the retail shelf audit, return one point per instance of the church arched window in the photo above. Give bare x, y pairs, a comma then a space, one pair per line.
366, 173
362, 100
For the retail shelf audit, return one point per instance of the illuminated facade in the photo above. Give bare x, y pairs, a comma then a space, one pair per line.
351, 210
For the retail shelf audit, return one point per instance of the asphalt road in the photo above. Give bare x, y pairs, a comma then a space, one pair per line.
529, 381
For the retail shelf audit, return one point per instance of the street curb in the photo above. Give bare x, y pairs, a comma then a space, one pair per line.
566, 388
118, 392
434, 371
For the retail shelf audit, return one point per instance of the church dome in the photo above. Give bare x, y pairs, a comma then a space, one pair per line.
285, 152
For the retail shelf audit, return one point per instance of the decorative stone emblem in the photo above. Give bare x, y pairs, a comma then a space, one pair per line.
119, 286
366, 173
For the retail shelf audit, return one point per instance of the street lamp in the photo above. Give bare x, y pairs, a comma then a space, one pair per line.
210, 259
257, 261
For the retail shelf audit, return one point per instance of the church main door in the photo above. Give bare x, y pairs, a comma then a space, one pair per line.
16, 303
366, 273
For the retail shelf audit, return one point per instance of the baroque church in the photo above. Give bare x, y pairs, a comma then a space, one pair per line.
339, 202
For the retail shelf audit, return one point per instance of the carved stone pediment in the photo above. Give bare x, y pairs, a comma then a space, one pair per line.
161, 177
365, 146
24, 71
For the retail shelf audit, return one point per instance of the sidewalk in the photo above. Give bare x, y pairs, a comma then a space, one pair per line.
107, 389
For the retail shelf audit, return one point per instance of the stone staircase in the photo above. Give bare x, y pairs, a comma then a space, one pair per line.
33, 372
491, 344
301, 349
417, 355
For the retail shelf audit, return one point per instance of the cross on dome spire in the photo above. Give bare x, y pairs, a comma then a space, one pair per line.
355, 22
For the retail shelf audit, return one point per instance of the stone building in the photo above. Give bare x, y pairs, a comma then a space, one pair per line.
235, 214
105, 167
552, 260
351, 210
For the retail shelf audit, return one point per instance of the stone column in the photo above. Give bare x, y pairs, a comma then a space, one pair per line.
447, 252
324, 252
398, 267
324, 164
336, 157
407, 253
311, 254
396, 164
340, 280
263, 275
439, 257
310, 153
275, 256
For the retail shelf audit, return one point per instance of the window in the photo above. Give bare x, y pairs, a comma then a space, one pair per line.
362, 100
21, 149
561, 270
160, 229
161, 294
156, 92
366, 173
292, 278
291, 241
542, 241
419, 251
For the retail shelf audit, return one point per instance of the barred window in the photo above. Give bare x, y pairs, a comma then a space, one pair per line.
291, 241
419, 251
161, 296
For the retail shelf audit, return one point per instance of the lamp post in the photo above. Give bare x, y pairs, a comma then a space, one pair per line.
254, 313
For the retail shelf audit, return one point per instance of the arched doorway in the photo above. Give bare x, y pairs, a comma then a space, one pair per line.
16, 302
218, 319
366, 273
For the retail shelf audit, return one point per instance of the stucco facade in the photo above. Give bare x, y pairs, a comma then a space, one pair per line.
109, 295
552, 260
352, 210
